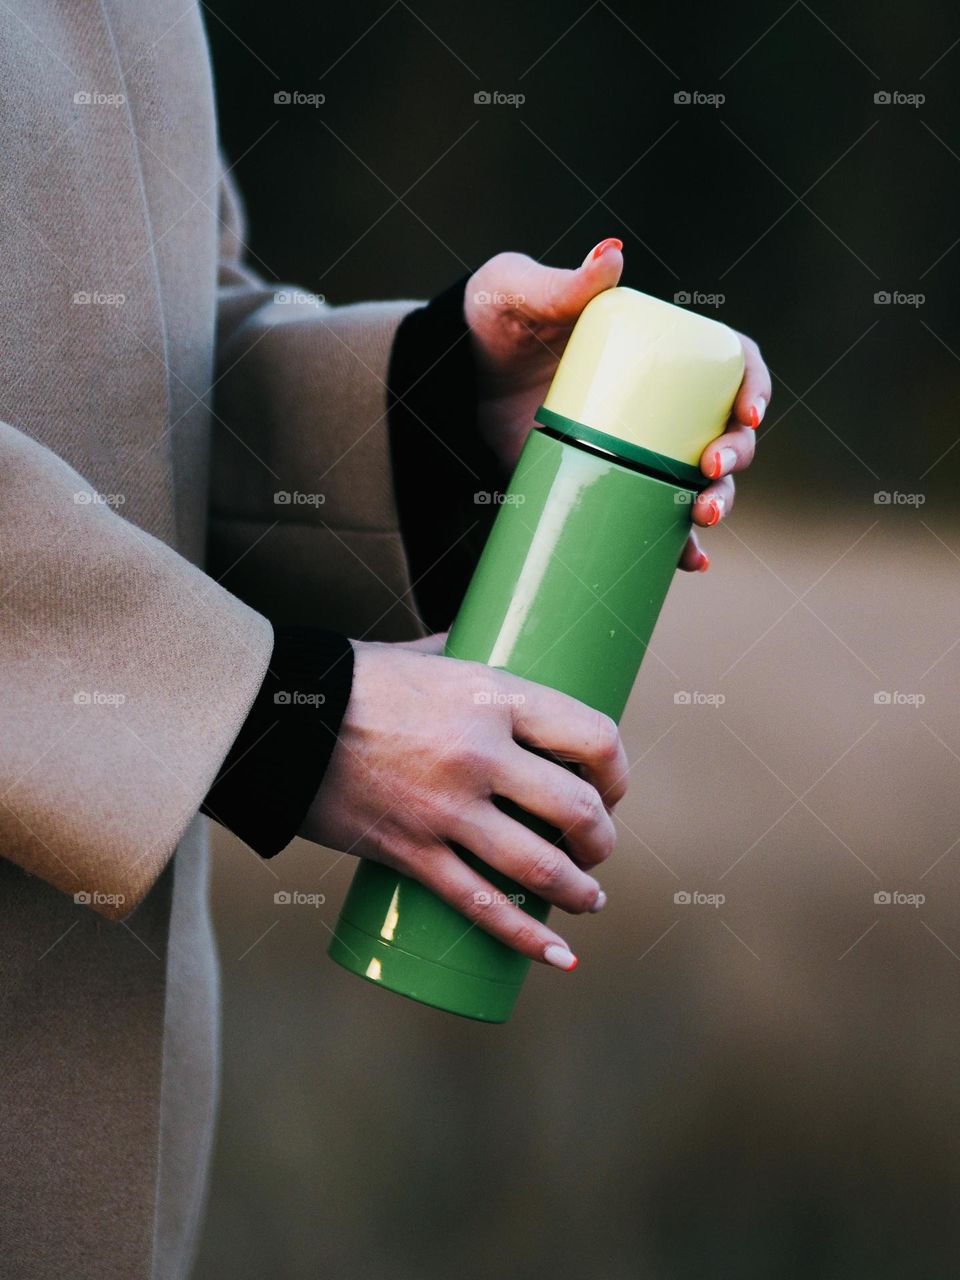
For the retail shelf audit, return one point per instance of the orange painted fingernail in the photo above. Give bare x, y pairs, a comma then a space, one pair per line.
560, 957
610, 243
757, 410
717, 471
716, 511
704, 562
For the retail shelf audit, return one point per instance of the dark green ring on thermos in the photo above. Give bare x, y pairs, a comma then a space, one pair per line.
567, 593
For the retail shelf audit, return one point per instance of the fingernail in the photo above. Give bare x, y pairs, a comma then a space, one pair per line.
716, 511
560, 957
757, 410
704, 563
600, 903
611, 242
722, 463
728, 460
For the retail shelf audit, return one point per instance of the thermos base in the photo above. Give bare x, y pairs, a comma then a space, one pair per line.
430, 983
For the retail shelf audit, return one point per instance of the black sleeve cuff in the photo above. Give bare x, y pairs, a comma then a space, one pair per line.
444, 473
275, 767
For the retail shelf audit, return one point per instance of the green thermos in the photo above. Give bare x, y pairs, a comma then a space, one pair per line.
566, 593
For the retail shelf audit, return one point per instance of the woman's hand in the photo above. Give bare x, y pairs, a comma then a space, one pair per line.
425, 745
521, 314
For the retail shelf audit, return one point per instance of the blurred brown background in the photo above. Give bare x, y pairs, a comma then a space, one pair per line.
766, 1086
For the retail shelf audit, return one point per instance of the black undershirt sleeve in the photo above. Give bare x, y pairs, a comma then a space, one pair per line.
277, 762
446, 476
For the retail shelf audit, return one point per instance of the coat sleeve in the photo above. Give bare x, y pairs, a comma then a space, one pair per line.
304, 523
125, 674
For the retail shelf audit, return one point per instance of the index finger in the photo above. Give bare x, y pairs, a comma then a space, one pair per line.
755, 389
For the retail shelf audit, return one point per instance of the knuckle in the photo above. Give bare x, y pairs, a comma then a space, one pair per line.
606, 841
543, 873
621, 780
555, 295
584, 900
607, 739
585, 805
599, 847
750, 345
619, 789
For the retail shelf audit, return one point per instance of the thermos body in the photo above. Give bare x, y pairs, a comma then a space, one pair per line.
566, 593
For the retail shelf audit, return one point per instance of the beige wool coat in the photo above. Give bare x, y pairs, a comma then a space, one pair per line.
153, 399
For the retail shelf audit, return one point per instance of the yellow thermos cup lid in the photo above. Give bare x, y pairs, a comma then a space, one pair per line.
647, 381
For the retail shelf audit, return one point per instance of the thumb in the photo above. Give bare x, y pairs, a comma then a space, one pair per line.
557, 295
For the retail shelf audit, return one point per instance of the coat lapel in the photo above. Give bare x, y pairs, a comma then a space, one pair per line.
102, 163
